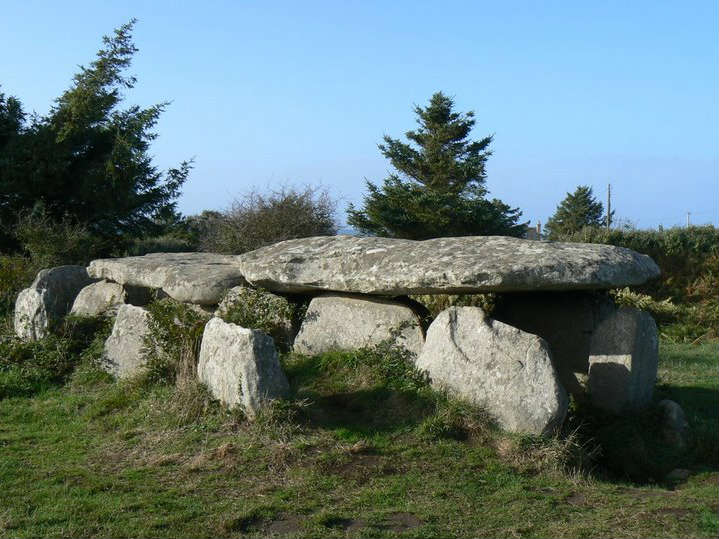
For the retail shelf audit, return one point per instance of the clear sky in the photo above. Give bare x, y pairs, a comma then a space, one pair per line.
271, 93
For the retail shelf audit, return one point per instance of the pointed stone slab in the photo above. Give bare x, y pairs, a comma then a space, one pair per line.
473, 264
200, 278
506, 371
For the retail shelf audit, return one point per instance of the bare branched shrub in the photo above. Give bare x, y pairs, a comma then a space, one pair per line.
51, 243
257, 219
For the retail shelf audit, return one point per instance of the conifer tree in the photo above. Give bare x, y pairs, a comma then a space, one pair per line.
88, 159
439, 187
578, 210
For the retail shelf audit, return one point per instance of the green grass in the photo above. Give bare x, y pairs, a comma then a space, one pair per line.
362, 449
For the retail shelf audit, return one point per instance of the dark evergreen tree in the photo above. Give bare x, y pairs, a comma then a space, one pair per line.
87, 160
578, 210
439, 188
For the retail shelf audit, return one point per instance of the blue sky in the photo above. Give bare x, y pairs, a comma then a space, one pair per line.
272, 93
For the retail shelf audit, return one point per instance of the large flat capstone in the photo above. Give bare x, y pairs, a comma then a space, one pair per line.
474, 264
201, 278
505, 370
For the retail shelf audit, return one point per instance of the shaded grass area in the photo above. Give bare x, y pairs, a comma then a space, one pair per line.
363, 448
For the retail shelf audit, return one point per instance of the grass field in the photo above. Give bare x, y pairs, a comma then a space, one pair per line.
364, 449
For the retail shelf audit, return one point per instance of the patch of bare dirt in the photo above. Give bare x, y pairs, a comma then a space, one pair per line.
576, 499
284, 525
363, 467
399, 522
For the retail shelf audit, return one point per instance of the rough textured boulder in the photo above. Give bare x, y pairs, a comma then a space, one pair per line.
504, 370
240, 366
200, 278
351, 322
123, 353
47, 300
623, 359
566, 320
99, 298
388, 266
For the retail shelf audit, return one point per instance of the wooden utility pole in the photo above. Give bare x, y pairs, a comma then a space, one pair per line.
609, 205
688, 214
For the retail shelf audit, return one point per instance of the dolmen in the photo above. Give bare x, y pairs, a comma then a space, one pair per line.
554, 332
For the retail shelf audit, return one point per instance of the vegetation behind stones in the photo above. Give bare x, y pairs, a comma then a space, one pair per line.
688, 258
259, 219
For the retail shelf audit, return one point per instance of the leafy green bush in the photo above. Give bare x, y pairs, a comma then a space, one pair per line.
455, 419
660, 310
436, 303
27, 368
256, 308
684, 254
166, 243
173, 344
51, 243
688, 258
257, 220
391, 366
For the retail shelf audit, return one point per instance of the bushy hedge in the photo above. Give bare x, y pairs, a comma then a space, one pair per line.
258, 219
689, 260
684, 254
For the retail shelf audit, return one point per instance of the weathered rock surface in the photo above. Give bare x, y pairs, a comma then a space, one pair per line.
566, 320
123, 352
336, 321
674, 425
47, 300
505, 370
623, 358
201, 278
388, 266
99, 298
240, 366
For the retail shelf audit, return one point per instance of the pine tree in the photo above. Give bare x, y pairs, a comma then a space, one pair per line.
87, 160
578, 210
439, 188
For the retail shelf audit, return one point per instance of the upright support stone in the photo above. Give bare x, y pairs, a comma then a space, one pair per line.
47, 300
240, 366
123, 354
566, 320
349, 322
496, 366
99, 298
623, 359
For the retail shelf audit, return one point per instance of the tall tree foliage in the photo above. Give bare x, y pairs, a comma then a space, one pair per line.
439, 187
87, 160
578, 210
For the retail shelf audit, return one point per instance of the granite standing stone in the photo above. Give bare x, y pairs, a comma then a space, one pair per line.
506, 371
335, 321
623, 358
99, 298
123, 355
566, 320
47, 300
240, 366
